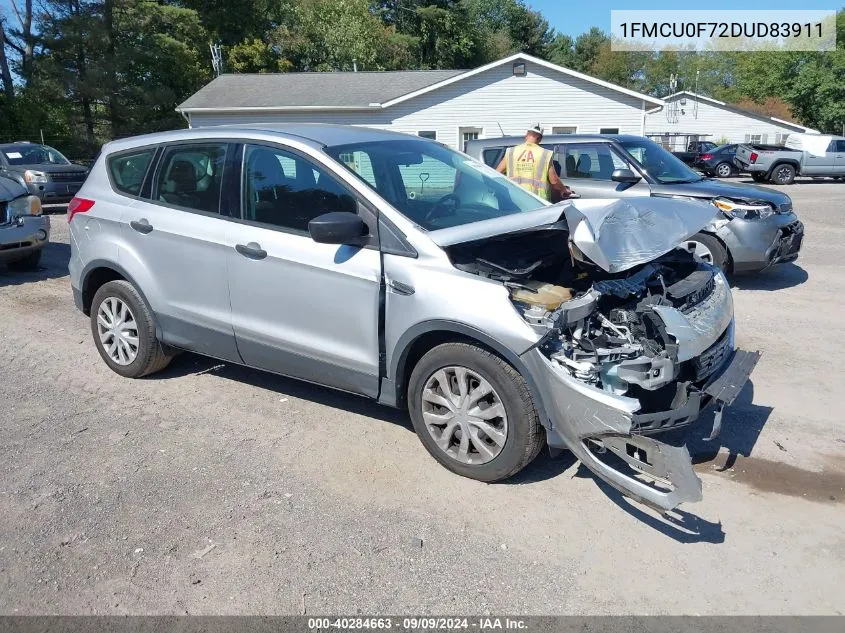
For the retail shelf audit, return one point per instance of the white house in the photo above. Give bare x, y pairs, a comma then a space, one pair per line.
501, 98
688, 116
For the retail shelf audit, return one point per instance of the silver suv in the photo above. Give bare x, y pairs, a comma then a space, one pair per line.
396, 268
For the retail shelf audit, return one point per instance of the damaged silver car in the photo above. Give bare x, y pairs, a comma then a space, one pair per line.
396, 268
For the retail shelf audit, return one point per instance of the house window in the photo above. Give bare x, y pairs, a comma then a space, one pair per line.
564, 129
429, 134
466, 134
609, 130
780, 138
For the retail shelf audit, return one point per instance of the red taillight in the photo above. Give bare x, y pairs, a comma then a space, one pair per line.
78, 205
706, 156
753, 157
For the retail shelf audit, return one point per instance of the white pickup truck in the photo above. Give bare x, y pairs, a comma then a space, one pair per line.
815, 155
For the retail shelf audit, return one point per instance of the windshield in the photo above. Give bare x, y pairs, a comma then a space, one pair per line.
30, 154
432, 185
660, 164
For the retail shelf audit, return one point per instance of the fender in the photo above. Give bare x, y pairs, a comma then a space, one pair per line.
391, 388
120, 270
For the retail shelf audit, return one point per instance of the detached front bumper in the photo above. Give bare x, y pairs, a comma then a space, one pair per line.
616, 443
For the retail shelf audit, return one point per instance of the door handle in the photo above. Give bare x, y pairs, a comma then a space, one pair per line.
252, 250
142, 226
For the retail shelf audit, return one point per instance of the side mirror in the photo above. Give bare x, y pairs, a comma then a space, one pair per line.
624, 175
337, 227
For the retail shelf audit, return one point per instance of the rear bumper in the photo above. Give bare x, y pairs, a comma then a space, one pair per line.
741, 165
616, 443
23, 236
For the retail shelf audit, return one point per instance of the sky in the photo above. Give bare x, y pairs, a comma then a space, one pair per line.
573, 18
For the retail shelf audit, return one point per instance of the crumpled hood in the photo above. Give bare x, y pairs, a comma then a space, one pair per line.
9, 190
614, 234
619, 234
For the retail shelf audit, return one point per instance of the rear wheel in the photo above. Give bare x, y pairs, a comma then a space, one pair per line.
708, 249
30, 262
124, 331
783, 175
473, 412
723, 170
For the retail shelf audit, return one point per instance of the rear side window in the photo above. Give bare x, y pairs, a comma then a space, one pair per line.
128, 171
492, 156
596, 162
190, 176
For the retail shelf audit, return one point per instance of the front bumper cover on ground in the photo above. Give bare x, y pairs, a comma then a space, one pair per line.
608, 436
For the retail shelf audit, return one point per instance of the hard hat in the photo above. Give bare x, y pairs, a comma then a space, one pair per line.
536, 129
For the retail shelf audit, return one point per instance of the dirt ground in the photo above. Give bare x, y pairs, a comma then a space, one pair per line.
214, 489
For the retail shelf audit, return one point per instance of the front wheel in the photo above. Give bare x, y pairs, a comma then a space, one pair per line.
473, 412
708, 249
124, 331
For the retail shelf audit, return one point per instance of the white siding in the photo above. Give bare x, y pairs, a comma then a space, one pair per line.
495, 101
716, 121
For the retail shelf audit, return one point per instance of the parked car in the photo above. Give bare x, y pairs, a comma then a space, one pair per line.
718, 161
815, 155
393, 267
752, 227
42, 170
23, 230
694, 151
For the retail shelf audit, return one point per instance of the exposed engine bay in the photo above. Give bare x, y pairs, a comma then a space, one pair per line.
602, 328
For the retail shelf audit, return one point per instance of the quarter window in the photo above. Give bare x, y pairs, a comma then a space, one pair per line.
191, 176
128, 171
284, 190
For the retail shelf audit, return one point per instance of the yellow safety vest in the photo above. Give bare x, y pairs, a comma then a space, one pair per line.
528, 165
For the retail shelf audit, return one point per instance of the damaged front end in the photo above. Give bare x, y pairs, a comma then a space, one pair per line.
636, 337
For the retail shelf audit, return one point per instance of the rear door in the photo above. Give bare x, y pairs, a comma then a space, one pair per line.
175, 232
839, 158
301, 308
587, 169
823, 165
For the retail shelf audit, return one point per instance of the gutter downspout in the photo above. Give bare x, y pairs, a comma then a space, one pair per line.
644, 114
187, 117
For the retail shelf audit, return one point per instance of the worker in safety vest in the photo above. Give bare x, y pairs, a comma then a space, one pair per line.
530, 166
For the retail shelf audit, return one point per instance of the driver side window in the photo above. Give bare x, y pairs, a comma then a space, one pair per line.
594, 161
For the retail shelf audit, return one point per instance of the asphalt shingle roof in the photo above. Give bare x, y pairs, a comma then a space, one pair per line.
332, 89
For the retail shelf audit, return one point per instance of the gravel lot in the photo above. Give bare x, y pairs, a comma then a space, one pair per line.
214, 489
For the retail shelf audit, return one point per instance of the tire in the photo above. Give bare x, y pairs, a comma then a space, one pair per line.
150, 355
724, 170
523, 435
709, 249
30, 262
782, 174
756, 176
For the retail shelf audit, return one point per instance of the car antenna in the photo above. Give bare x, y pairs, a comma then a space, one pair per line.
500, 128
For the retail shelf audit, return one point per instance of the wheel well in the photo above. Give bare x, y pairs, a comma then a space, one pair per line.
730, 263
95, 279
418, 348
791, 163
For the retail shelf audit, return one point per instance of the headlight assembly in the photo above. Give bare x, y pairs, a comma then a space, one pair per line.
25, 205
744, 210
35, 177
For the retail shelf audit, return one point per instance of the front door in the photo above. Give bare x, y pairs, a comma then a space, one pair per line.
587, 167
466, 134
301, 308
177, 236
